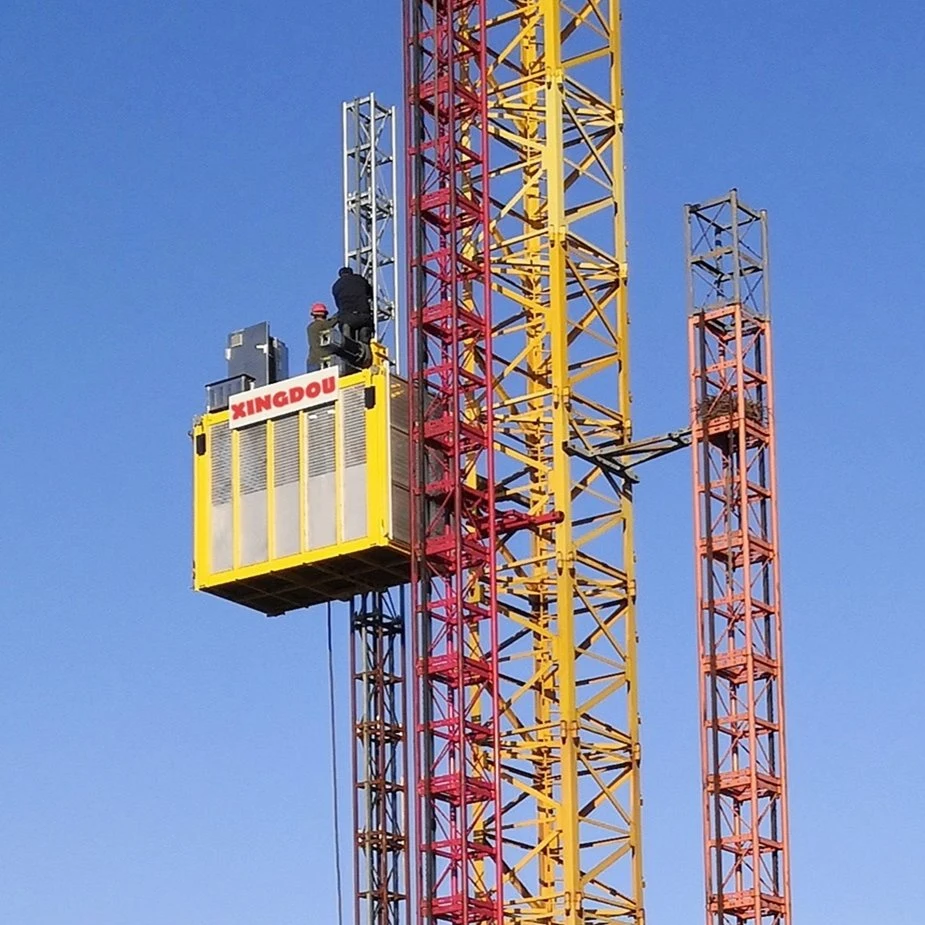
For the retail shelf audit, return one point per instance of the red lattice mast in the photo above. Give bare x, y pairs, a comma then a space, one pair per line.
454, 592
738, 579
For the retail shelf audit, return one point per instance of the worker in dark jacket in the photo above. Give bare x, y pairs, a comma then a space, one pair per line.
318, 325
353, 296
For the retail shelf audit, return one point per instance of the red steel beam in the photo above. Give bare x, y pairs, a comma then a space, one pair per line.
454, 532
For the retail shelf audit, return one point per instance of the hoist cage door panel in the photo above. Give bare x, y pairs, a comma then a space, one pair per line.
305, 506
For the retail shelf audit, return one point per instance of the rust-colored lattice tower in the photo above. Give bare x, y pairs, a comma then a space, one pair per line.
738, 577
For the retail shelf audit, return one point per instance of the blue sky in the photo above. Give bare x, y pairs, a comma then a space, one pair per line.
170, 171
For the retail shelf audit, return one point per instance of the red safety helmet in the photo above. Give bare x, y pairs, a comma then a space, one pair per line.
319, 310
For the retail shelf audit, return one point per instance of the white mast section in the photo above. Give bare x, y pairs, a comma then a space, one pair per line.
370, 210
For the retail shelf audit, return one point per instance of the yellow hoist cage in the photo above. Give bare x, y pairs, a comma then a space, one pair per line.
308, 506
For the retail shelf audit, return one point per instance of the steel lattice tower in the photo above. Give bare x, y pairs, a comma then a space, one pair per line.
524, 603
370, 205
738, 580
380, 761
377, 620
454, 534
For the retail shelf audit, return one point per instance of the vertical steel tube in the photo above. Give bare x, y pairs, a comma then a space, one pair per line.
379, 699
738, 568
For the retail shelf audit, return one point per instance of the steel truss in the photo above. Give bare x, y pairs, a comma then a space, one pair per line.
738, 580
454, 537
570, 728
526, 703
377, 620
380, 759
370, 206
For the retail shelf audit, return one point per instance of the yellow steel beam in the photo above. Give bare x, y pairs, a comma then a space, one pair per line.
570, 728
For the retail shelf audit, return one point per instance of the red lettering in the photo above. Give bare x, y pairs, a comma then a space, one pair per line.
326, 384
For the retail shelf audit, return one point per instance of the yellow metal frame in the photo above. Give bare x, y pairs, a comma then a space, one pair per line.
570, 746
379, 502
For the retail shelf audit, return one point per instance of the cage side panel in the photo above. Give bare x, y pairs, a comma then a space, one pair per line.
321, 494
398, 409
220, 546
355, 488
399, 448
401, 514
252, 494
286, 485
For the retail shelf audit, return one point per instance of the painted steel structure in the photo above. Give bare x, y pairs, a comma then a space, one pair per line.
523, 579
738, 572
455, 522
370, 208
377, 620
380, 759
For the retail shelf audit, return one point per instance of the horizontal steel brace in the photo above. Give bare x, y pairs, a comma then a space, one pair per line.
620, 459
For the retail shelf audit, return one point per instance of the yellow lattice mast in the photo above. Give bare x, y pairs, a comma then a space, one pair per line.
570, 737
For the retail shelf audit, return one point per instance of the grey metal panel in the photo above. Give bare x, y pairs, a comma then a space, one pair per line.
355, 507
321, 497
398, 407
400, 461
353, 404
253, 352
218, 394
252, 458
399, 441
287, 520
221, 539
220, 455
286, 450
252, 472
401, 514
320, 439
355, 487
220, 545
279, 360
286, 485
253, 520
248, 353
321, 522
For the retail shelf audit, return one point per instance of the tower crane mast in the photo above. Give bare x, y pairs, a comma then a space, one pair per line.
523, 574
738, 566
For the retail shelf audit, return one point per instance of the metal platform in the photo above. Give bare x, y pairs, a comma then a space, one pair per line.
301, 491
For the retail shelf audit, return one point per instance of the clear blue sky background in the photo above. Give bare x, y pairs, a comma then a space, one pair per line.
169, 171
